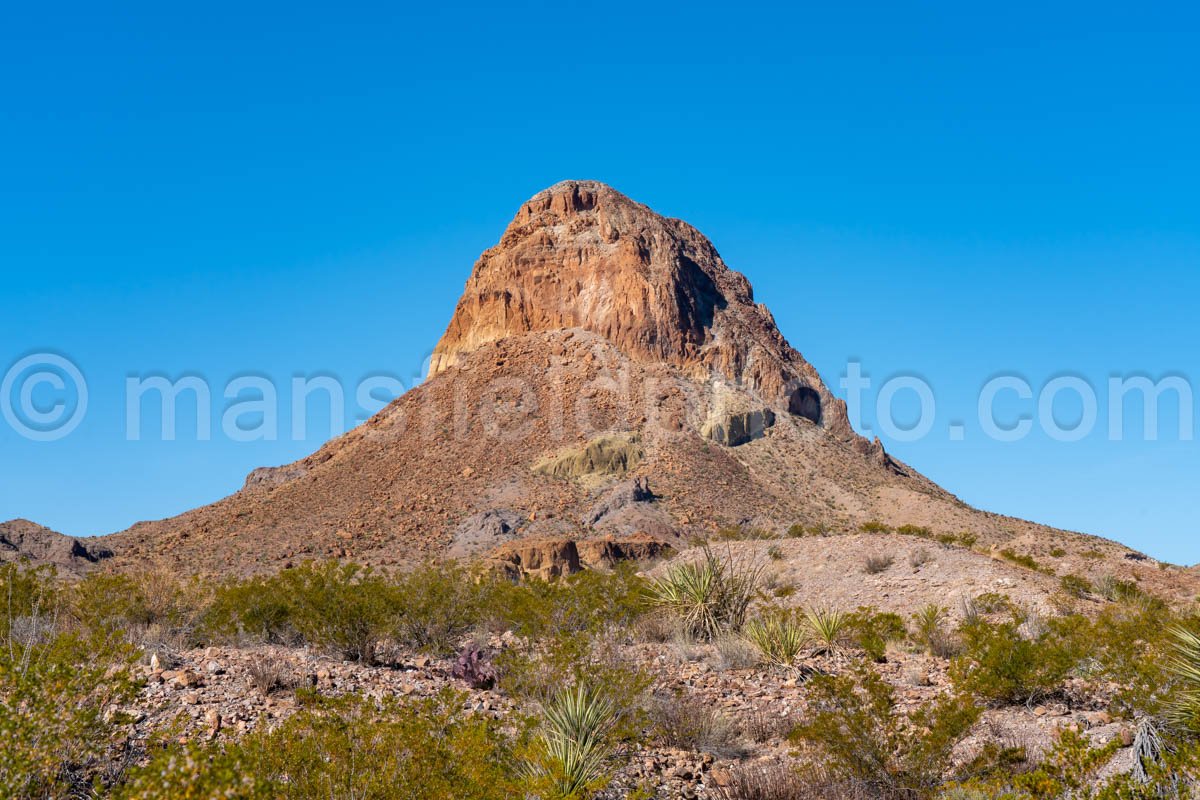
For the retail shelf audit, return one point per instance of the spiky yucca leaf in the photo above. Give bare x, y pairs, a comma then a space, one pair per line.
826, 625
572, 760
778, 638
709, 595
1184, 709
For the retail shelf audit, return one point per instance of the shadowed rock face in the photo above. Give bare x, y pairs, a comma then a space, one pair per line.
22, 540
583, 255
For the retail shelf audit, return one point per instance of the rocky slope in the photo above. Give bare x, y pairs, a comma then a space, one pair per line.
22, 540
605, 375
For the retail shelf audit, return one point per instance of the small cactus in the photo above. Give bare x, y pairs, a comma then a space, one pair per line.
474, 665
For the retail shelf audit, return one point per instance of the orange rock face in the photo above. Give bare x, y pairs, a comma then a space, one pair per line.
582, 255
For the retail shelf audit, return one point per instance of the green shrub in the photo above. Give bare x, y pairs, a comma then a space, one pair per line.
915, 530
257, 609
345, 747
709, 596
1001, 666
874, 526
1024, 560
55, 689
871, 632
344, 608
589, 601
861, 742
194, 772
1075, 586
437, 605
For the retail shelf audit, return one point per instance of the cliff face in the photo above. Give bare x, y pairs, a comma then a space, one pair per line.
582, 255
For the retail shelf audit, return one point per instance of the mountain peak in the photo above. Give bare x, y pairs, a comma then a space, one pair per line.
582, 255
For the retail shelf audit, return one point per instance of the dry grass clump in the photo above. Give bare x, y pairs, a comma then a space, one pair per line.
877, 563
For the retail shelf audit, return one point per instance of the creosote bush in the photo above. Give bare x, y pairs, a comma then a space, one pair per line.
1000, 665
346, 747
859, 744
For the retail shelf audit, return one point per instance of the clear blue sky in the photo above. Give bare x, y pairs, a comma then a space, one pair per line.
929, 189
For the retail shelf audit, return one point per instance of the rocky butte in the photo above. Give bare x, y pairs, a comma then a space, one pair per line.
606, 385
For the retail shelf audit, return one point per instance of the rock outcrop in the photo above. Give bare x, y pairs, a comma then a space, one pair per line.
22, 540
583, 255
732, 430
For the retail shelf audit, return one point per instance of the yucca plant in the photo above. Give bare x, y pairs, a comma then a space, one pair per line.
778, 638
709, 595
927, 628
572, 755
1184, 664
826, 625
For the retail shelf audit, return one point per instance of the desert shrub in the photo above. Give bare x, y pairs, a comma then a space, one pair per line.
773, 781
1001, 666
1057, 552
826, 626
929, 631
539, 671
437, 605
1131, 646
800, 530
153, 607
1024, 560
861, 743
778, 636
919, 558
708, 596
589, 601
763, 725
269, 673
55, 690
1069, 770
877, 563
993, 603
689, 722
343, 608
55, 685
1116, 590
194, 772
734, 652
346, 747
874, 526
775, 553
572, 756
871, 632
1075, 586
915, 530
257, 610
27, 595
